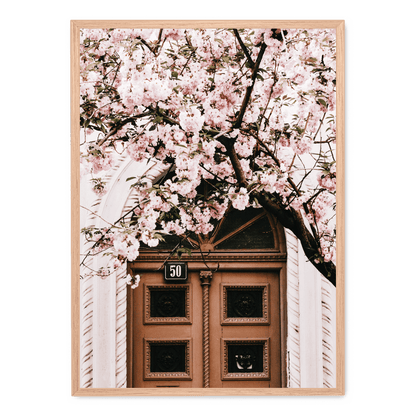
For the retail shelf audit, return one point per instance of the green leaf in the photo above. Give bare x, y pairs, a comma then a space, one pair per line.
183, 250
131, 177
188, 251
158, 236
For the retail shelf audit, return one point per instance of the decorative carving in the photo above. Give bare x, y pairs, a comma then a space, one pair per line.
216, 256
293, 315
328, 297
245, 359
121, 328
245, 304
167, 359
166, 305
205, 277
86, 327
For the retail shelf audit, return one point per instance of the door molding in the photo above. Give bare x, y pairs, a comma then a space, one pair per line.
263, 320
263, 375
151, 375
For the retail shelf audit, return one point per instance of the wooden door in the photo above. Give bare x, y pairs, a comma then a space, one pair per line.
245, 330
214, 330
217, 329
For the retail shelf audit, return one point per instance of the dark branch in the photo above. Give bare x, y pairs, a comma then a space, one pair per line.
293, 220
244, 48
289, 218
119, 125
249, 90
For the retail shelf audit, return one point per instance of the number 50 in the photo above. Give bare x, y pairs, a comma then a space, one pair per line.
175, 270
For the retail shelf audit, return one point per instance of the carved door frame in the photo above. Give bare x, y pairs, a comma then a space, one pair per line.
255, 260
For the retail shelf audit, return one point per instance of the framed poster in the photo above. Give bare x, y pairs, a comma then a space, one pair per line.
207, 207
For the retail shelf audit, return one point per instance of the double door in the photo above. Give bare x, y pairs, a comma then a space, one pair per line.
214, 330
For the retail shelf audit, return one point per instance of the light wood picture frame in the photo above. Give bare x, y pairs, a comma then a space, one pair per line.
75, 290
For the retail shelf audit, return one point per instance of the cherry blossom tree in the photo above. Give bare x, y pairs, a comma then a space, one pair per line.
238, 118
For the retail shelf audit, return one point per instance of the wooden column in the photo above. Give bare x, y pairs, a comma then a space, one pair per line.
205, 277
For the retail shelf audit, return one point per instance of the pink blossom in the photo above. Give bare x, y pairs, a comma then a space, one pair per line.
240, 200
174, 34
191, 120
126, 245
115, 263
301, 146
328, 182
173, 227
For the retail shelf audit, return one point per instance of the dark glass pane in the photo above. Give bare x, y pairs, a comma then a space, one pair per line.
244, 303
167, 303
167, 358
245, 358
236, 219
258, 235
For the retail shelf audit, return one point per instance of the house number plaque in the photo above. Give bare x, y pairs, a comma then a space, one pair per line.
176, 271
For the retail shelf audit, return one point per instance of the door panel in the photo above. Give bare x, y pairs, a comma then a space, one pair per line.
244, 331
166, 332
245, 344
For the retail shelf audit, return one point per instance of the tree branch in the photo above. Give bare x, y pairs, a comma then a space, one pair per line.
294, 221
147, 45
244, 48
249, 90
122, 123
289, 218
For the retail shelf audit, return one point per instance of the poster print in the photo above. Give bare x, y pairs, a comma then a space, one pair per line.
207, 168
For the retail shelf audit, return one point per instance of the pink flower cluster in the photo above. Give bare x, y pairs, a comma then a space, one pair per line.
273, 181
125, 245
301, 146
100, 187
133, 281
98, 159
328, 250
189, 89
328, 180
240, 200
191, 120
